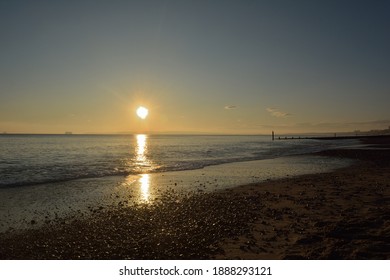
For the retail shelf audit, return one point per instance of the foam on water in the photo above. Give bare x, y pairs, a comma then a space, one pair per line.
39, 159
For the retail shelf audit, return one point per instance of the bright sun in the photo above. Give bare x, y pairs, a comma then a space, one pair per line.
142, 112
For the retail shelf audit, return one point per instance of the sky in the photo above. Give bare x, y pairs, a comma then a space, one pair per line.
235, 67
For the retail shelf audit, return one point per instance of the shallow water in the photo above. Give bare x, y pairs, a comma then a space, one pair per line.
27, 160
23, 207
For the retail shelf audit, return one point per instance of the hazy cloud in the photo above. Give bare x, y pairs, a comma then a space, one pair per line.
376, 124
384, 123
277, 113
230, 107
329, 126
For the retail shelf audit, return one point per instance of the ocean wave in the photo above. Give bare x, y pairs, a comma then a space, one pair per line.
117, 156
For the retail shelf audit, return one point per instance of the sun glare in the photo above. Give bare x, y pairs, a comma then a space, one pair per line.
142, 112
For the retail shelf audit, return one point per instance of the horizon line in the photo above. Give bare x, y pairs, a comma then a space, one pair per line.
197, 133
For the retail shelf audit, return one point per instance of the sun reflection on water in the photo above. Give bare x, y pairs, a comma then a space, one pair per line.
141, 148
142, 161
144, 185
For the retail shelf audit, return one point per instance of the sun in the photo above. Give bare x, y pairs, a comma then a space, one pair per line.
142, 112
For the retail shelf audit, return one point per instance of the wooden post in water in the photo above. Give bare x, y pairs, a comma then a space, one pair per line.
273, 135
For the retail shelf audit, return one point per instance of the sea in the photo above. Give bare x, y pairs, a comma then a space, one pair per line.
46, 176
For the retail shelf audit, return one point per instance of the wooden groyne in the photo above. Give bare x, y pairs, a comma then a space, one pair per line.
329, 137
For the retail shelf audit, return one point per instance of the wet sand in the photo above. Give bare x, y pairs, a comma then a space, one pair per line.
344, 214
339, 215
32, 206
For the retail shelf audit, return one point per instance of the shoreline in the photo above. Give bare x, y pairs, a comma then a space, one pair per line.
343, 214
31, 207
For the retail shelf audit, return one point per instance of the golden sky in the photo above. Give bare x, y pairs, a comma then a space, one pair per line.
237, 67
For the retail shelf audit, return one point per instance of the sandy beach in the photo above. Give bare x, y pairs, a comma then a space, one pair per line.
339, 215
343, 214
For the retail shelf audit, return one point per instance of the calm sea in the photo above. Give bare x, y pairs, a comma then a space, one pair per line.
37, 159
